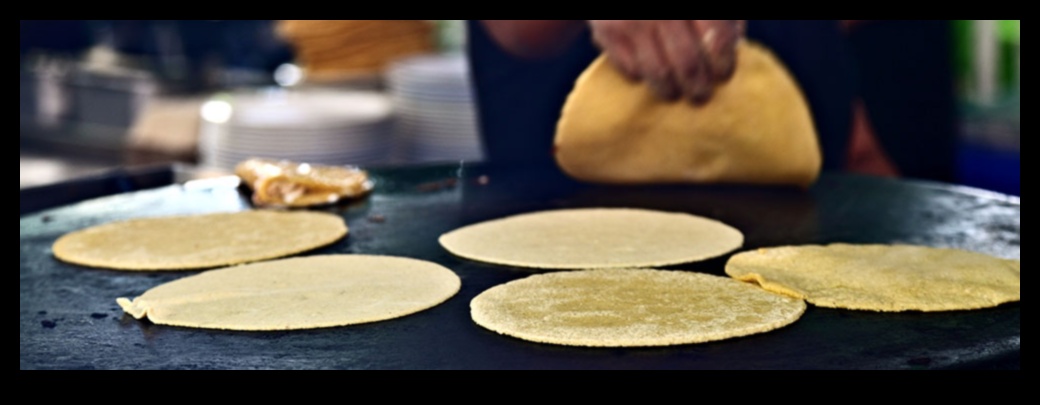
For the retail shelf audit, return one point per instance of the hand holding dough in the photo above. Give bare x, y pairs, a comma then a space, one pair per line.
674, 57
756, 129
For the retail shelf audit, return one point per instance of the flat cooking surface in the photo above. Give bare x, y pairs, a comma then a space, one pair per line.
68, 317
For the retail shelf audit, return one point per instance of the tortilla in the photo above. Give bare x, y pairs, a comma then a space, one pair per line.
631, 307
283, 183
882, 277
298, 293
593, 238
757, 128
199, 241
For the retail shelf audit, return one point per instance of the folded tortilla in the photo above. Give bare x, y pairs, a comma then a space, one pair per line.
281, 183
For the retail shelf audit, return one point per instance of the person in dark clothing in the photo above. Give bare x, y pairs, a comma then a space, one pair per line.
906, 88
524, 70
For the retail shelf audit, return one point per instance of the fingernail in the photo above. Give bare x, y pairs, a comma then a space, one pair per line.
725, 70
709, 38
665, 92
702, 95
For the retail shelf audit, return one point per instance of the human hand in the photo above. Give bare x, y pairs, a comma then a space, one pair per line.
676, 58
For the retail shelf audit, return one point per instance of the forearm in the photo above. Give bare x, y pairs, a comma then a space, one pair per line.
534, 39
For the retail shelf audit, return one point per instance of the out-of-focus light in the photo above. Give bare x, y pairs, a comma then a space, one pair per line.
288, 75
216, 111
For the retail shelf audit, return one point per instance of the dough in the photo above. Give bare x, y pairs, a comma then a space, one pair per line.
631, 307
757, 129
882, 277
298, 293
594, 238
199, 241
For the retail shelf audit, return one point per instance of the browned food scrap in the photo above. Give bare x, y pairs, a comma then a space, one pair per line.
282, 183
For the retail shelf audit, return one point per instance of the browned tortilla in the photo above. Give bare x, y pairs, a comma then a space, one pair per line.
282, 183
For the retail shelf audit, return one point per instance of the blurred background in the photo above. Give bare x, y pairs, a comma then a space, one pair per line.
98, 94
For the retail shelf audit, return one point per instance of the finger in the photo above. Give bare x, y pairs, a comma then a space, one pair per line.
654, 67
611, 38
604, 31
741, 28
683, 52
719, 41
623, 57
665, 90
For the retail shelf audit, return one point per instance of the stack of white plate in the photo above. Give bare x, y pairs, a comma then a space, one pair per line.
436, 115
312, 126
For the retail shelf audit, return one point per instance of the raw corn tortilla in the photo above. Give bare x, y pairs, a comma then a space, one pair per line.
298, 293
882, 277
593, 238
631, 307
757, 128
199, 241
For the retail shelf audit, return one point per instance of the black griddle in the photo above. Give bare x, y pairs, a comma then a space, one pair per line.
68, 318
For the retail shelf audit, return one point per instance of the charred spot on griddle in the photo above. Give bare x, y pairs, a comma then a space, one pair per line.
48, 324
437, 185
46, 218
98, 315
376, 218
41, 313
